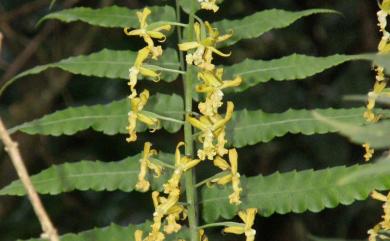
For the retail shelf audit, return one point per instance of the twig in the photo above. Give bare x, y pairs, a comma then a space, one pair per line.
31, 48
11, 147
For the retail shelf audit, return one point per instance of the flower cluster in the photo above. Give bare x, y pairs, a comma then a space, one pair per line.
383, 48
380, 78
379, 89
137, 103
385, 223
211, 123
169, 212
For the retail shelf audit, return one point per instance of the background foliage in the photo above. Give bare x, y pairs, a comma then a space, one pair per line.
320, 35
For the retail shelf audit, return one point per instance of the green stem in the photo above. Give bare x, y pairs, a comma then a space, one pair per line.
189, 176
222, 224
221, 174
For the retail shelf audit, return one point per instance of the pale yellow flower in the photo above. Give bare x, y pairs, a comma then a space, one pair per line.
379, 86
368, 151
212, 86
202, 235
182, 164
138, 235
205, 47
170, 208
233, 176
211, 128
139, 69
209, 5
137, 105
145, 164
248, 217
149, 34
385, 223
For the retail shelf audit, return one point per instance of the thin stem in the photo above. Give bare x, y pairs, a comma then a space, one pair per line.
161, 163
189, 176
221, 174
155, 67
11, 147
222, 224
161, 117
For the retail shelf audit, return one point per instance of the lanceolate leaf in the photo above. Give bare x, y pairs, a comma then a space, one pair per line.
113, 16
113, 64
255, 25
291, 67
298, 191
114, 233
251, 127
89, 175
377, 134
110, 118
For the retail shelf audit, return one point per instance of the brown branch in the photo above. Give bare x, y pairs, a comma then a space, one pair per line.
31, 48
11, 147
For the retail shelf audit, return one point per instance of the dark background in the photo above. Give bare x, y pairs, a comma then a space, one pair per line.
25, 46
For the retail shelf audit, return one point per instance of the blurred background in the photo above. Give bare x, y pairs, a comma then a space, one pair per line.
26, 45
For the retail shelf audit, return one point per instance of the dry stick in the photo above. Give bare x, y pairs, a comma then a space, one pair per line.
11, 147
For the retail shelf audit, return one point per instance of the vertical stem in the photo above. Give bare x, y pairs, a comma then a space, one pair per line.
189, 176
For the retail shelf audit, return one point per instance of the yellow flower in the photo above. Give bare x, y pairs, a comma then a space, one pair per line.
142, 184
379, 86
205, 47
138, 235
209, 5
202, 235
211, 128
137, 104
385, 6
170, 208
139, 69
368, 151
385, 223
233, 176
149, 34
248, 217
213, 85
182, 164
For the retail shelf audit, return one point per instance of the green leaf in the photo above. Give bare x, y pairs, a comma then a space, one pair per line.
110, 118
90, 175
251, 127
291, 67
298, 191
377, 134
113, 64
112, 16
114, 233
256, 24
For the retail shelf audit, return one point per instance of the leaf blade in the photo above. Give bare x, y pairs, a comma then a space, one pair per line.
251, 127
257, 24
110, 118
113, 232
298, 192
89, 175
112, 64
292, 67
112, 16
